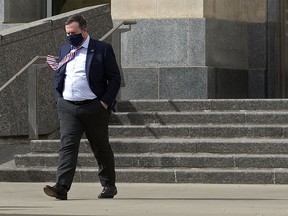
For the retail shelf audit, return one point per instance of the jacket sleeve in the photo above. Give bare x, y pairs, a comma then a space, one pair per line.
112, 75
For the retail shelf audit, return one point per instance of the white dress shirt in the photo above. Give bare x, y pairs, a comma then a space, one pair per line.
76, 87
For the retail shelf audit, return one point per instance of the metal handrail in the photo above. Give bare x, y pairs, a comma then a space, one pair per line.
125, 22
21, 71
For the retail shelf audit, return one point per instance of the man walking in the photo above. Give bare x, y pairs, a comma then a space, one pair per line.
87, 82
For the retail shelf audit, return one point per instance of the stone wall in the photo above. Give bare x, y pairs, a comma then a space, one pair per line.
226, 38
21, 44
201, 58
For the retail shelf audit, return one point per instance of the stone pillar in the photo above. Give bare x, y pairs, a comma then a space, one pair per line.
237, 46
193, 48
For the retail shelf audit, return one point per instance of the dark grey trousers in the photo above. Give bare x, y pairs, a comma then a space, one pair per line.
91, 118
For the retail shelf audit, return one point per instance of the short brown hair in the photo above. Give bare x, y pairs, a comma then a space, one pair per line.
77, 18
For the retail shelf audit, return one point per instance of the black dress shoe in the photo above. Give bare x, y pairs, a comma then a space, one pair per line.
108, 192
57, 191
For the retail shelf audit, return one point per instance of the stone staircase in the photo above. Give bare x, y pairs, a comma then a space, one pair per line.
179, 141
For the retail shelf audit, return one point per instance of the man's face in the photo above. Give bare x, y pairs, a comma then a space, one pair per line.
73, 28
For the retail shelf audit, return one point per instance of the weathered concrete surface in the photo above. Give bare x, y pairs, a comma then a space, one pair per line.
148, 199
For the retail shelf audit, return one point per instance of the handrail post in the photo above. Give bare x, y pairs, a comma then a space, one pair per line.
116, 44
32, 102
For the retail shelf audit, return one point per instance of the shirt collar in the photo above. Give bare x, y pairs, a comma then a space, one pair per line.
86, 42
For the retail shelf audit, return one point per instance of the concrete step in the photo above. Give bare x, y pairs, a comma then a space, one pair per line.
198, 160
200, 117
210, 104
180, 145
199, 131
185, 141
155, 175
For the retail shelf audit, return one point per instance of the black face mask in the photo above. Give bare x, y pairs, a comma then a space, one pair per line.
75, 39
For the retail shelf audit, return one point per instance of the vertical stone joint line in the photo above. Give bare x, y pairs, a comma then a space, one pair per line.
175, 176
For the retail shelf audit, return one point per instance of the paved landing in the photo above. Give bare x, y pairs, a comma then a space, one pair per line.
147, 199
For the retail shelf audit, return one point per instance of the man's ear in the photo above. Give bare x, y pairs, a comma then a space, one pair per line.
85, 29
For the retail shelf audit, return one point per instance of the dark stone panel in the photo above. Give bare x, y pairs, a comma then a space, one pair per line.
272, 75
256, 83
226, 44
231, 83
273, 10
257, 45
273, 49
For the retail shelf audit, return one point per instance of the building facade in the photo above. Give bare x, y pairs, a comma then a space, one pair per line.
206, 48
189, 48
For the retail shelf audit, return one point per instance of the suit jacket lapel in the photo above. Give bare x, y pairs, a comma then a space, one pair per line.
90, 53
65, 50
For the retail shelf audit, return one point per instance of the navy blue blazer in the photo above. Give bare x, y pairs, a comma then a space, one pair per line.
101, 69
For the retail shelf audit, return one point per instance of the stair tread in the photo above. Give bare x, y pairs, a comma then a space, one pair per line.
180, 140
239, 112
158, 169
156, 125
249, 143
188, 155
